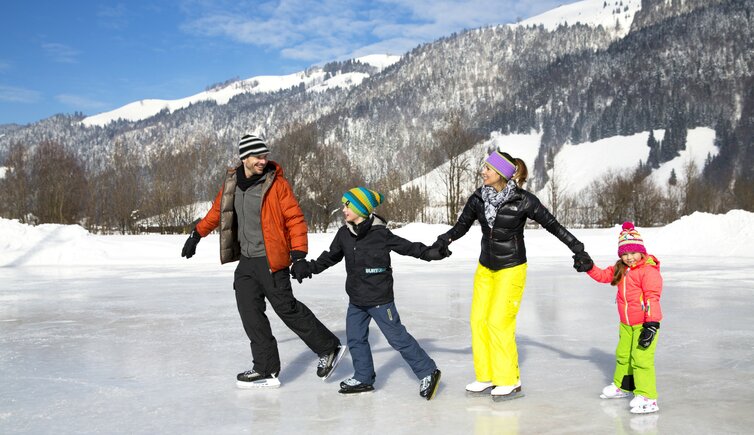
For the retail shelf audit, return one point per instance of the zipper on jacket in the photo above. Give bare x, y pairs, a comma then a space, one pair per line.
625, 307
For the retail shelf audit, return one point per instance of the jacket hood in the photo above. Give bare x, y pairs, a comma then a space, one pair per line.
649, 260
372, 221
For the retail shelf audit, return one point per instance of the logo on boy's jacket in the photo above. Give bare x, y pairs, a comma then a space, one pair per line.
375, 269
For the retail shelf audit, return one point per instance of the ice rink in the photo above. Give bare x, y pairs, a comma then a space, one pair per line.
145, 347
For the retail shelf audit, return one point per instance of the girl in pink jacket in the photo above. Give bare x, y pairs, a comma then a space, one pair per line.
637, 276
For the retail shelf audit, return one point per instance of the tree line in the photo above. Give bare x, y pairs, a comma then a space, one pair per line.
125, 192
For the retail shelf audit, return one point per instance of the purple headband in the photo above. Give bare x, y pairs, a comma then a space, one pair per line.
501, 165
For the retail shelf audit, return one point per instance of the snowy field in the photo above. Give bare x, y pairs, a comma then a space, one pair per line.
119, 334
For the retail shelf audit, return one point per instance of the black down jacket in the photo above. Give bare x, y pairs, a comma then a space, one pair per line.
503, 245
366, 249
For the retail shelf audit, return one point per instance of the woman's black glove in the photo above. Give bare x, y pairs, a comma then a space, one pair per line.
189, 248
648, 332
442, 243
300, 268
582, 262
433, 254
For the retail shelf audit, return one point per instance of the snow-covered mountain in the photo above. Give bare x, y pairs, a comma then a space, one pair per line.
614, 15
617, 17
314, 79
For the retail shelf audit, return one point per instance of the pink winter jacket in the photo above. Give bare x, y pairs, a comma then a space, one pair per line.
639, 291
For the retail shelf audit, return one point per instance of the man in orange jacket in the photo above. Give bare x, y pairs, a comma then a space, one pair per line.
262, 226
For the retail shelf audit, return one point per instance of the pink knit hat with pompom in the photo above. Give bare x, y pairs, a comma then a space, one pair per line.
630, 240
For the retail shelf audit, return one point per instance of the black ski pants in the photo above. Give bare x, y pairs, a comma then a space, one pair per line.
253, 283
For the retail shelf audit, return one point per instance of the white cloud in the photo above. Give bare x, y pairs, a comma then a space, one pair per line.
60, 52
329, 29
80, 102
112, 17
18, 95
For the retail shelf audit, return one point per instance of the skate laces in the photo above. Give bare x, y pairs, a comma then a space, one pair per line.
425, 382
323, 361
351, 382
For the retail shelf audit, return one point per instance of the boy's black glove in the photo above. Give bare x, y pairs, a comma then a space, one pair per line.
189, 248
433, 254
300, 268
648, 332
582, 262
442, 243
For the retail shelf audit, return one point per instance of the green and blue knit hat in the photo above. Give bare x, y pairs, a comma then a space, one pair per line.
361, 200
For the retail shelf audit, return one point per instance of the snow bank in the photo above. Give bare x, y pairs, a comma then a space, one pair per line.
700, 234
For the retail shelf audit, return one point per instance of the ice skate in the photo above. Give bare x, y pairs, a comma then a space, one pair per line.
478, 389
613, 392
352, 386
429, 384
251, 379
643, 405
327, 363
507, 392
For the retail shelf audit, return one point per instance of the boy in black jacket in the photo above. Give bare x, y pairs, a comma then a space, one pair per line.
365, 242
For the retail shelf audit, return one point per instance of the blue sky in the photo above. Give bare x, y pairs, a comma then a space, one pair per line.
95, 56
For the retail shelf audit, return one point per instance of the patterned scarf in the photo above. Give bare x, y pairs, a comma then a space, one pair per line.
493, 200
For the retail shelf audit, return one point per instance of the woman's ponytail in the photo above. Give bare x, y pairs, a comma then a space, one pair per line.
522, 172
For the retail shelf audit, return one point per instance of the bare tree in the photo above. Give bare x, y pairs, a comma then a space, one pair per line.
452, 142
402, 204
14, 187
611, 195
326, 179
294, 149
126, 187
58, 184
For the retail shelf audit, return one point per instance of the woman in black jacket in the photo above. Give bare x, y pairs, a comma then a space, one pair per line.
501, 206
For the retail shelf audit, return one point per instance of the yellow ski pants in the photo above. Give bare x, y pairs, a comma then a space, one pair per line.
494, 306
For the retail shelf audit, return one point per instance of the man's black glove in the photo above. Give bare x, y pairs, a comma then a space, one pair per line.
433, 254
442, 243
582, 262
189, 248
300, 268
648, 332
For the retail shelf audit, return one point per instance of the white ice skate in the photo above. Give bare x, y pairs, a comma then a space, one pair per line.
507, 392
613, 392
477, 388
643, 405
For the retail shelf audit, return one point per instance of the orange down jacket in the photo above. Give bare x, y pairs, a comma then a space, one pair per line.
283, 225
639, 291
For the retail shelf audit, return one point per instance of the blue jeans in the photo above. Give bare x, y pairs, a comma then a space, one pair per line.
387, 319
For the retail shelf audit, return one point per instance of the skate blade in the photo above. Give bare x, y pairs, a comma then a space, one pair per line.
335, 363
602, 396
258, 385
355, 393
516, 394
484, 393
437, 387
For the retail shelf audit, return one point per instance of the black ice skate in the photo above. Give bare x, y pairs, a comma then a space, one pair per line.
429, 384
252, 379
352, 386
328, 362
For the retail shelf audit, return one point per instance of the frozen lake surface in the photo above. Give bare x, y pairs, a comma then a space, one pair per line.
154, 348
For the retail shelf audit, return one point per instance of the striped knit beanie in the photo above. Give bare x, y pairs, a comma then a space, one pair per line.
630, 240
251, 145
361, 200
501, 165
